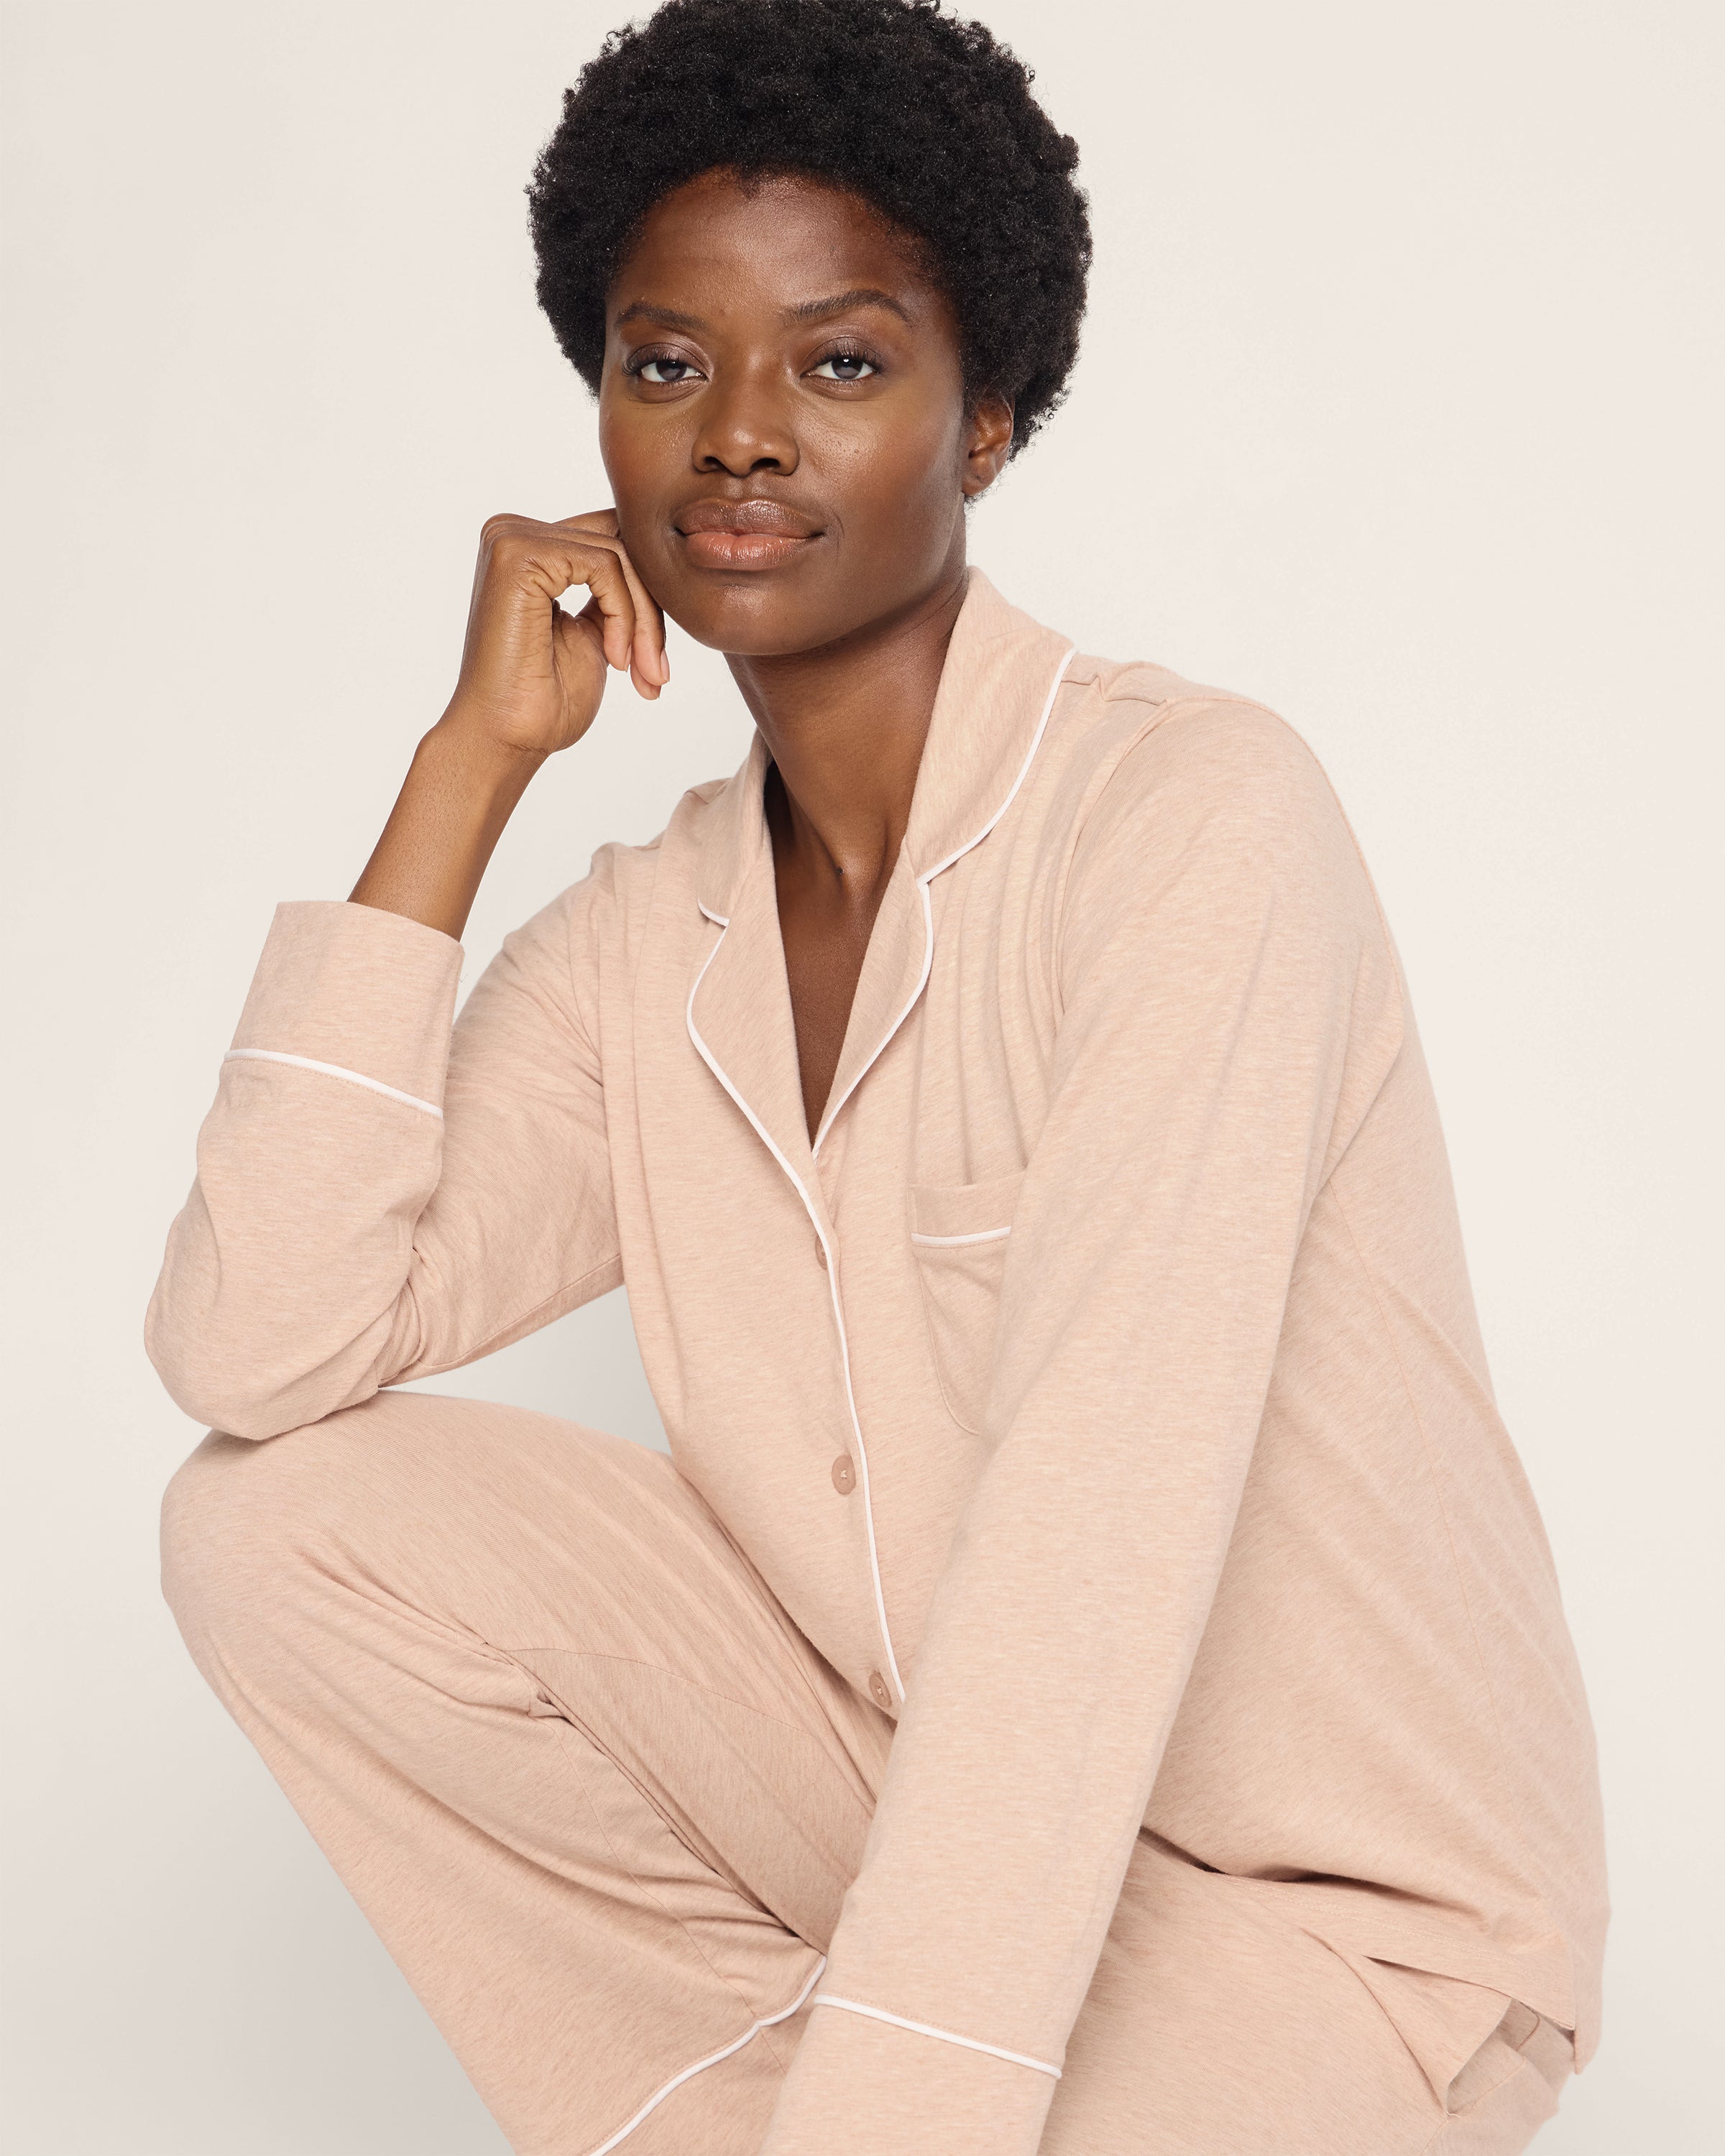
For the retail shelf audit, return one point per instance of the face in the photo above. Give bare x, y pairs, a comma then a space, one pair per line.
783, 417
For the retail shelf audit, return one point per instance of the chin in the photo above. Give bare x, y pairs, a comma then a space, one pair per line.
750, 619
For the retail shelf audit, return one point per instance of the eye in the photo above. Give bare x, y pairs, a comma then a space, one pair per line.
845, 367
664, 369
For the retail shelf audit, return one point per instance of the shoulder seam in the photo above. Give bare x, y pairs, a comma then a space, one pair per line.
1185, 705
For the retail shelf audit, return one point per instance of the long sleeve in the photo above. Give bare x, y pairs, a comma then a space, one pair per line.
1227, 1009
377, 1198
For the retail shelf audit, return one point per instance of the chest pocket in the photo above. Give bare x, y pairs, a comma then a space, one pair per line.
959, 1234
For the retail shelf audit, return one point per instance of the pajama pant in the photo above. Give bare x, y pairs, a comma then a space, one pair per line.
600, 1800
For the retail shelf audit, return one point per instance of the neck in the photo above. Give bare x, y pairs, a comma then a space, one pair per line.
844, 726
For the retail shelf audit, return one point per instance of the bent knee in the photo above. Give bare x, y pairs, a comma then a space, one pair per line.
242, 1518
223, 1535
252, 1526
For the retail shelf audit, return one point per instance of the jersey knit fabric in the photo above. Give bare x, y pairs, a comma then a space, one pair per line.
1099, 1392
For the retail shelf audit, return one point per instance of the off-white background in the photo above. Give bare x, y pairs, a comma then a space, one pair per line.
1398, 410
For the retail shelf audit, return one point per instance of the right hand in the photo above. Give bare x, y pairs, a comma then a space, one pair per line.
531, 674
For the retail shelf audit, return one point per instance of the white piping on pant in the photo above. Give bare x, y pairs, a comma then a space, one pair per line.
334, 1070
832, 1271
723, 924
713, 2059
946, 2035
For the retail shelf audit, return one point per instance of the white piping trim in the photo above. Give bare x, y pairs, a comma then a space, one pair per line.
928, 877
334, 1070
832, 1270
950, 1242
701, 2066
833, 1107
923, 2029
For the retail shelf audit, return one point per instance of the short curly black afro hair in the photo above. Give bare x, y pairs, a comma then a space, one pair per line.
924, 116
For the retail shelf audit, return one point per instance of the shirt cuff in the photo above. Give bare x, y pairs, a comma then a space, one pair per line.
859, 2086
352, 992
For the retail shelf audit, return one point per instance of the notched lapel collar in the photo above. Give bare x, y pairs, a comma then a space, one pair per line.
889, 984
735, 836
739, 1014
996, 690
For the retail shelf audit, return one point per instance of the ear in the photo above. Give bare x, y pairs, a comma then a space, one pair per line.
987, 444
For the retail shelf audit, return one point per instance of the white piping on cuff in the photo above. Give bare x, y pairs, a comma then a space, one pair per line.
334, 1070
946, 2035
950, 1242
712, 2059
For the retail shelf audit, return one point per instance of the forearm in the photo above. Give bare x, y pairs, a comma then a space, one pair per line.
281, 1294
334, 1239
460, 791
376, 1197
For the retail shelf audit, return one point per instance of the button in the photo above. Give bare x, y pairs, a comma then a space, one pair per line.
844, 1475
877, 1686
820, 1254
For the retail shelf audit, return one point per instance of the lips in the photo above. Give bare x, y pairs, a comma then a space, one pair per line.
757, 533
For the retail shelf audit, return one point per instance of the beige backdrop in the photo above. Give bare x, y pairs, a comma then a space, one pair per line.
1398, 410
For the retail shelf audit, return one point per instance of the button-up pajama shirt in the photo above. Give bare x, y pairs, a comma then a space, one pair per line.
1091, 1548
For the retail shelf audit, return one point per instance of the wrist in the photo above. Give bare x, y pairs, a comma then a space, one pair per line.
460, 791
463, 755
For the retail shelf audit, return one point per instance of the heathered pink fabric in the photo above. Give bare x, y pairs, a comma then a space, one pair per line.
1125, 1273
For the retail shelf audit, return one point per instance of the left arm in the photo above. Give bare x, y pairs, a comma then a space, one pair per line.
1229, 1007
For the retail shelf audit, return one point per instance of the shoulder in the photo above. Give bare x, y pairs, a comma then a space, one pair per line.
1141, 733
1174, 808
1153, 767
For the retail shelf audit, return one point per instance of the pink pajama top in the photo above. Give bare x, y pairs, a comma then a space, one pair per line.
1101, 1391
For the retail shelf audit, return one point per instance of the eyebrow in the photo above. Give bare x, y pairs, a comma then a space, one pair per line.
865, 296
669, 315
810, 310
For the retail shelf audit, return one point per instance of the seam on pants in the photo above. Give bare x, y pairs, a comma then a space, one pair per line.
1454, 2117
659, 1670
804, 1736
581, 1737
712, 2059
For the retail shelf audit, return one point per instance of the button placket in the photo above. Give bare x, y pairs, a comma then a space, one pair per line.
816, 1202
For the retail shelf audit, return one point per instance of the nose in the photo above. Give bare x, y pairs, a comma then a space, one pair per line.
745, 428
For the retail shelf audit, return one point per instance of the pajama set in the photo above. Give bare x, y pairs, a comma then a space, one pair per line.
1089, 1676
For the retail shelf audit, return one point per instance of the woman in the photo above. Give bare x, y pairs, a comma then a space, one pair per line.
1092, 1679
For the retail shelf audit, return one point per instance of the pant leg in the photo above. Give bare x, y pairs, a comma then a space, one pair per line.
597, 1794
1216, 2026
602, 1801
